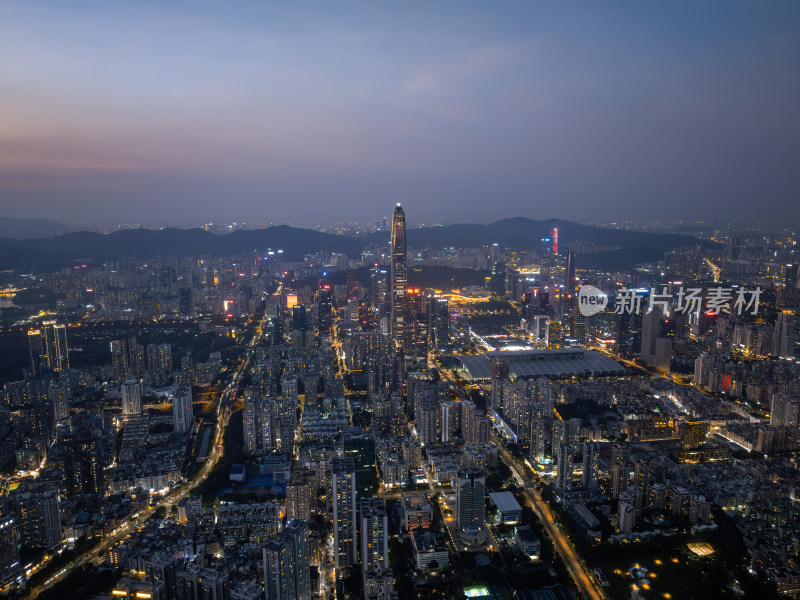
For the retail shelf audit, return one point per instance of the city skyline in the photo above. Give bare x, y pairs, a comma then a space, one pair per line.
376, 422
375, 301
273, 113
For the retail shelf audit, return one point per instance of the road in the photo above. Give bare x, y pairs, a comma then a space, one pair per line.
575, 566
578, 571
223, 414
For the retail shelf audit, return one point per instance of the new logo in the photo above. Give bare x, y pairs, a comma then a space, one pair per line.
591, 300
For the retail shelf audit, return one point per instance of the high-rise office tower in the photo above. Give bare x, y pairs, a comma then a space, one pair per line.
578, 323
324, 309
398, 275
38, 520
438, 321
567, 296
569, 276
131, 390
10, 567
414, 340
299, 321
374, 534
359, 445
471, 505
182, 413
343, 494
497, 280
656, 349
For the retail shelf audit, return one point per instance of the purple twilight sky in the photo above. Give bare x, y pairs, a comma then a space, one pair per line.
190, 112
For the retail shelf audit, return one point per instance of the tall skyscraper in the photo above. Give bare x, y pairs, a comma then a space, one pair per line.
250, 428
591, 456
131, 390
287, 567
298, 529
471, 505
38, 519
786, 330
324, 309
182, 414
127, 357
656, 349
186, 301
161, 568
438, 321
564, 468
359, 445
399, 276
343, 491
374, 534
569, 276
48, 348
415, 322
83, 466
36, 348
60, 396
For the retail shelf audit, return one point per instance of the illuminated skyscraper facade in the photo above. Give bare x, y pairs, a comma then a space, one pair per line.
345, 541
399, 276
470, 505
182, 414
48, 348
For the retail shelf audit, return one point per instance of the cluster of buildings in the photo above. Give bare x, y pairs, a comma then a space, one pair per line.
372, 409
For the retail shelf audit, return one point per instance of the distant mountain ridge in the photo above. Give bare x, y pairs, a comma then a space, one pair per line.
21, 229
516, 233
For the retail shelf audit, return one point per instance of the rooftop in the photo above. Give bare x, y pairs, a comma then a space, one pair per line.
505, 501
569, 362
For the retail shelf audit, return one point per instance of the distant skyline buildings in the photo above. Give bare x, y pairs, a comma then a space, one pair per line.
34, 228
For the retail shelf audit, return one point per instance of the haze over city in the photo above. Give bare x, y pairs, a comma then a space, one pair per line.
193, 112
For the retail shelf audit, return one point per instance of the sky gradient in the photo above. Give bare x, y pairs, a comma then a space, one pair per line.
190, 112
